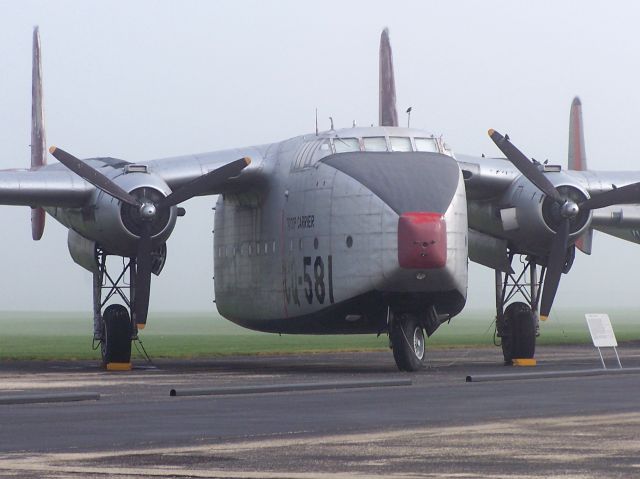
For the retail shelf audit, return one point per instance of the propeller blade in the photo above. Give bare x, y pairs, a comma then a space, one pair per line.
624, 195
93, 176
205, 183
525, 166
143, 277
555, 266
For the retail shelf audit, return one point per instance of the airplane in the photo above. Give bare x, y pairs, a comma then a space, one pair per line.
346, 231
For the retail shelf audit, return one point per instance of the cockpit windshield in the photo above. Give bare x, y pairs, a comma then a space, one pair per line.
346, 144
426, 144
400, 143
311, 150
375, 143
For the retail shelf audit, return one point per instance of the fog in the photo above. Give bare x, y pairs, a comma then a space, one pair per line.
149, 79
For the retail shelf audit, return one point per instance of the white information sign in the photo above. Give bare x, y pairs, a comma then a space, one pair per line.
601, 330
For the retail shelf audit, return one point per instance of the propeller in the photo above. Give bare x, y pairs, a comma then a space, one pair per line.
148, 210
93, 176
143, 276
568, 209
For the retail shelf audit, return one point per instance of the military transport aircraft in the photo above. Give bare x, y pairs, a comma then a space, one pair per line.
358, 230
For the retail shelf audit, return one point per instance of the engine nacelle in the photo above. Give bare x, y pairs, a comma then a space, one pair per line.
83, 251
114, 226
530, 218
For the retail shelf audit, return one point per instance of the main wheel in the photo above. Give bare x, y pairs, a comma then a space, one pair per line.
116, 343
519, 332
407, 342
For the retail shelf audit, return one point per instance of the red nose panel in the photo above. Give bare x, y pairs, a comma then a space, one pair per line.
422, 240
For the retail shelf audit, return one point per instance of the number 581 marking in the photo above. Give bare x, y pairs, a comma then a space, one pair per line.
316, 284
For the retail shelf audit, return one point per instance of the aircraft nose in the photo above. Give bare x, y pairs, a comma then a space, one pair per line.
419, 187
422, 240
407, 182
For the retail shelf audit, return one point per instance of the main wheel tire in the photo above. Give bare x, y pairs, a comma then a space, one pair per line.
408, 344
116, 343
519, 332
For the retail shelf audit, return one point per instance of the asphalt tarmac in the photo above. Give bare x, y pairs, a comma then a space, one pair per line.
438, 426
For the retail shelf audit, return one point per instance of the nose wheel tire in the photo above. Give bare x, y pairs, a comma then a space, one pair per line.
407, 343
518, 333
116, 342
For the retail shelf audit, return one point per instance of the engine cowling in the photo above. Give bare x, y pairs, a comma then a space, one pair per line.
115, 226
530, 218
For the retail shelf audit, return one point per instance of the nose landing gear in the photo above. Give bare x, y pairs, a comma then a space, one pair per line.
407, 342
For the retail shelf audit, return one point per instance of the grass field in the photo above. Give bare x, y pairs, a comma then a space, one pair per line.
187, 335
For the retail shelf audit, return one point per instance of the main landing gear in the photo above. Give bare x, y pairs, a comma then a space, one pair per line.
114, 327
115, 345
517, 324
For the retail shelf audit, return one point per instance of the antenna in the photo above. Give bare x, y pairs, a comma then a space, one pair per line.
409, 116
354, 124
316, 122
331, 120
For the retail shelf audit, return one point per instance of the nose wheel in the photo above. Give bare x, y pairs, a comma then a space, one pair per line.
407, 342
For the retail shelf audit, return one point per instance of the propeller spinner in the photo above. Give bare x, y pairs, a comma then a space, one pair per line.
147, 210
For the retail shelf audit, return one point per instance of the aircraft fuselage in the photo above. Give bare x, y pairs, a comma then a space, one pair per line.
326, 245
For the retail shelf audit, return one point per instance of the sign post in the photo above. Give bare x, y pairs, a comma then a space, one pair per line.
602, 334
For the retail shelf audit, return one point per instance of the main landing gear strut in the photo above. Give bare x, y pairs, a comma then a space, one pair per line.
114, 326
517, 324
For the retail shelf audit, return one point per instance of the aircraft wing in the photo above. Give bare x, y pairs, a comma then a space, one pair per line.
57, 186
178, 171
621, 221
48, 186
488, 178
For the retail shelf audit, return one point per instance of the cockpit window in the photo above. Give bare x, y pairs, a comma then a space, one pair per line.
319, 150
400, 143
310, 152
346, 144
426, 144
303, 154
375, 143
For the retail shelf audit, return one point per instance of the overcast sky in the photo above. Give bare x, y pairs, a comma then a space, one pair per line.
148, 79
